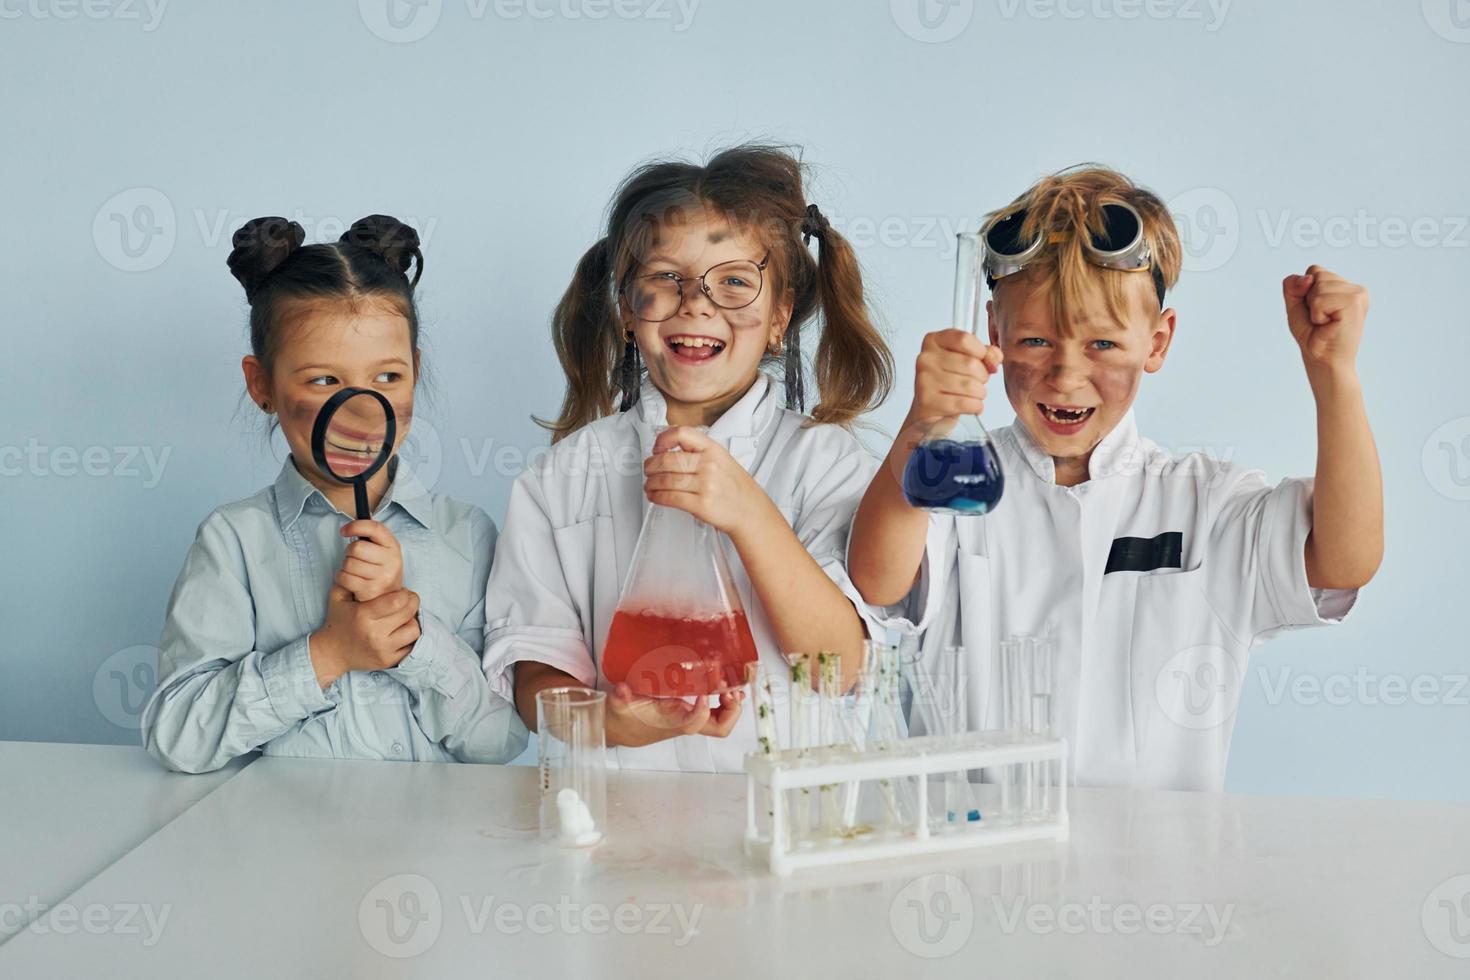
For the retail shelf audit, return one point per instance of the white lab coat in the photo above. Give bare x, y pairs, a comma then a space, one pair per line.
1151, 662
574, 518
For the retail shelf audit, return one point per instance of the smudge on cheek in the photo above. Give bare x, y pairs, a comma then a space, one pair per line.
749, 318
1117, 385
1020, 379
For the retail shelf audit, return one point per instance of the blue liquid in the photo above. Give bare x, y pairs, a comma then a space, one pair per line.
949, 475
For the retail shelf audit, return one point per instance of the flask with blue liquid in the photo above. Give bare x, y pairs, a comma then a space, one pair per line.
956, 467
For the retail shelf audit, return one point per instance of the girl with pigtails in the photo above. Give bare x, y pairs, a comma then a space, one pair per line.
682, 336
285, 635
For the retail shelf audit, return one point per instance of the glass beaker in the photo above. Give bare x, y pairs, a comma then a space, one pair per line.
956, 467
573, 770
679, 629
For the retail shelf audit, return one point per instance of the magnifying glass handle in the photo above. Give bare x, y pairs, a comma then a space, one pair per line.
360, 497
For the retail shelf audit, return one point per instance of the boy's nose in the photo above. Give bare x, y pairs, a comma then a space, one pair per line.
1067, 375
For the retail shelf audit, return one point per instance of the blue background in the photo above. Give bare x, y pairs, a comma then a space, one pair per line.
137, 139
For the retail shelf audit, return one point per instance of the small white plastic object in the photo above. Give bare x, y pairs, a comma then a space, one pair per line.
908, 764
578, 829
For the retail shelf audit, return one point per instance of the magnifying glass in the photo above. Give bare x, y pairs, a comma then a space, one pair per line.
352, 439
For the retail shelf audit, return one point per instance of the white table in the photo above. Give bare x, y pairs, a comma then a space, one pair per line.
358, 869
68, 811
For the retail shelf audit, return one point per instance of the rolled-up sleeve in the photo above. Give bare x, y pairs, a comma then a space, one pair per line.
1261, 532
529, 609
824, 525
218, 697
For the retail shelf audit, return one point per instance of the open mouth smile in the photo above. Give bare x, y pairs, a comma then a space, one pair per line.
694, 348
1065, 419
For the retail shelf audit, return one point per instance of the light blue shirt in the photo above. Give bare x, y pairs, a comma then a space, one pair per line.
235, 674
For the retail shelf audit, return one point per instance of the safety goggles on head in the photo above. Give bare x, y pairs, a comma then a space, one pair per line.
1120, 245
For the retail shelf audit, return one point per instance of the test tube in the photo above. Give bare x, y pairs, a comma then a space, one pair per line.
882, 672
940, 700
1013, 688
801, 696
1042, 690
573, 769
829, 684
765, 731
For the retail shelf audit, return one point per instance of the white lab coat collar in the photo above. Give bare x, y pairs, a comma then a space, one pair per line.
1116, 453
738, 430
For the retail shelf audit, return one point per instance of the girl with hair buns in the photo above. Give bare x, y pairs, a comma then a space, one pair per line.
694, 310
282, 636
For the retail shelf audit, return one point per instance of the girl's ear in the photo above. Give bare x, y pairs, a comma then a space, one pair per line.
994, 327
781, 317
417, 365
257, 381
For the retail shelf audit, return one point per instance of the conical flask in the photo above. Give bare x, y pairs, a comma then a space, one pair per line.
680, 628
956, 468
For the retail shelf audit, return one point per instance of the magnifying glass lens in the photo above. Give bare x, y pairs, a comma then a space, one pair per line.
352, 439
356, 436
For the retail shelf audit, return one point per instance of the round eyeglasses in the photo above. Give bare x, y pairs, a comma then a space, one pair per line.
729, 285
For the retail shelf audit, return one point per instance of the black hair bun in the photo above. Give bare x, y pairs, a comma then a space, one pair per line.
390, 238
261, 245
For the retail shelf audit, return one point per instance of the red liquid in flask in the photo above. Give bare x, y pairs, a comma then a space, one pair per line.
663, 656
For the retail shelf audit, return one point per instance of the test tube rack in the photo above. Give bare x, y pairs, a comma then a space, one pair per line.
910, 760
